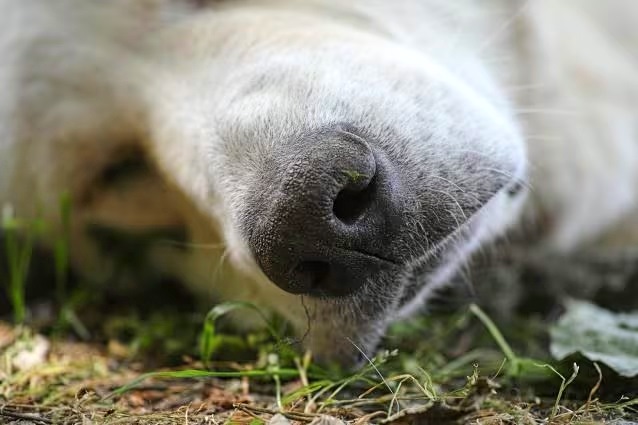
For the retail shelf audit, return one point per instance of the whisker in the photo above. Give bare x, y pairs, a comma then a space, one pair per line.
442, 192
504, 28
509, 175
374, 367
217, 271
524, 87
545, 137
458, 187
540, 111
192, 244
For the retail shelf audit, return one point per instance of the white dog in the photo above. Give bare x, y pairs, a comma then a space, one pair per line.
337, 160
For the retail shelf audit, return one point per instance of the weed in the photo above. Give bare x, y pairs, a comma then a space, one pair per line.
516, 366
19, 237
195, 373
564, 384
210, 341
61, 250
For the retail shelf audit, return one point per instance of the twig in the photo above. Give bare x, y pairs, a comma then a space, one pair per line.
297, 416
595, 388
26, 416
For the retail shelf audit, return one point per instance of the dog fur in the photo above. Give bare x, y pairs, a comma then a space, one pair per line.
472, 100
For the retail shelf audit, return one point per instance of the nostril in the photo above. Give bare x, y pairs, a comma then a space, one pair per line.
311, 274
322, 213
350, 204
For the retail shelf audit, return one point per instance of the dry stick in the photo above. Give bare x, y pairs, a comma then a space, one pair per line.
297, 416
26, 416
302, 366
595, 388
249, 412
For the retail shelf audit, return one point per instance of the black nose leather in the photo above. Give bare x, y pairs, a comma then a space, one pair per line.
327, 217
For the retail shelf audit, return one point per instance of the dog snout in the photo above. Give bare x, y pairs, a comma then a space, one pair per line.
325, 228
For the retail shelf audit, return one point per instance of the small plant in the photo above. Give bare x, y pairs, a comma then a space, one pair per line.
61, 249
61, 246
20, 236
516, 366
19, 239
210, 340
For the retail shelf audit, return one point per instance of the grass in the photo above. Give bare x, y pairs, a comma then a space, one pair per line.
61, 250
210, 341
88, 380
19, 237
461, 368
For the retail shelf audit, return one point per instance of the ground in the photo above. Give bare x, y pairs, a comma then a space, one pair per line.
441, 370
73, 353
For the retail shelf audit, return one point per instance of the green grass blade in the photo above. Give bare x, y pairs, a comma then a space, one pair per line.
209, 339
195, 373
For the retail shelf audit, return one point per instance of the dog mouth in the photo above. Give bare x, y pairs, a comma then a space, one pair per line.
409, 276
330, 280
340, 214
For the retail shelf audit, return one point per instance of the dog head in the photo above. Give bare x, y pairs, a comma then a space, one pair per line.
348, 173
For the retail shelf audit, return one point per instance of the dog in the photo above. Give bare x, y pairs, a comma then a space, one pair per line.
335, 162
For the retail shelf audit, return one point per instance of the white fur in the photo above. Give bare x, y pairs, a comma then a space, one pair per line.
83, 79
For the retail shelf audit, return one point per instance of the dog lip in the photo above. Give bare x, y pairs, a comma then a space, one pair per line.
384, 264
377, 257
398, 268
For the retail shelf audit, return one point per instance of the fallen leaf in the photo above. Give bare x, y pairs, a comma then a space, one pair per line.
599, 335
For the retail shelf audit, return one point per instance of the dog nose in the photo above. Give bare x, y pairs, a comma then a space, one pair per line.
325, 228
